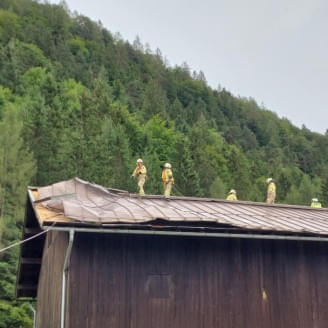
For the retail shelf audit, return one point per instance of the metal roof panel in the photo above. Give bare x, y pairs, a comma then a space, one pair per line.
91, 203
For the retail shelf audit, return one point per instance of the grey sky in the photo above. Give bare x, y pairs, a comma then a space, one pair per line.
275, 51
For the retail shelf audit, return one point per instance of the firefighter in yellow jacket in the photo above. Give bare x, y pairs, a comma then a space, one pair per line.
140, 172
232, 195
271, 192
167, 178
315, 203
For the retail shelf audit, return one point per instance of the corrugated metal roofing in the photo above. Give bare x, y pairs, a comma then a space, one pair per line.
79, 201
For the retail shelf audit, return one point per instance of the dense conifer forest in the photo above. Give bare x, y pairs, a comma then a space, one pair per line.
76, 100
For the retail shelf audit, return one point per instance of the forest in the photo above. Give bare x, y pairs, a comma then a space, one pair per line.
79, 101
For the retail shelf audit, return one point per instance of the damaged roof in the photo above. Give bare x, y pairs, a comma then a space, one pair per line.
77, 201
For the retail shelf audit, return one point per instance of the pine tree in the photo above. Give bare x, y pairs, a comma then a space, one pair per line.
293, 196
324, 191
186, 178
155, 100
239, 171
218, 189
308, 189
17, 166
207, 147
109, 157
41, 117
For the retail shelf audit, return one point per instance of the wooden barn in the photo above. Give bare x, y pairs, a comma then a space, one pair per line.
112, 259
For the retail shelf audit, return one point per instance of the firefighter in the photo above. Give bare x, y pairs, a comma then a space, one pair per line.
271, 192
168, 180
140, 172
315, 203
232, 195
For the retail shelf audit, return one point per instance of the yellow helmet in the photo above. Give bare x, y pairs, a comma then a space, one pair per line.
167, 165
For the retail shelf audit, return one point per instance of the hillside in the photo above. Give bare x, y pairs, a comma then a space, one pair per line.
76, 100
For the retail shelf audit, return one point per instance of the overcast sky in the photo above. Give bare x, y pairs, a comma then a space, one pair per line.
275, 51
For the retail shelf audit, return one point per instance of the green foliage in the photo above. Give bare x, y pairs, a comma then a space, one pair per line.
16, 58
155, 101
187, 177
17, 166
160, 138
14, 316
78, 47
207, 147
9, 25
306, 190
115, 156
239, 170
218, 189
324, 194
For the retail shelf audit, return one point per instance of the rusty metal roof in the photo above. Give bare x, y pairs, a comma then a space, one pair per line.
77, 201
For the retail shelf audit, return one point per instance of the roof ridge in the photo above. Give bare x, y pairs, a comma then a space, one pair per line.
218, 200
124, 193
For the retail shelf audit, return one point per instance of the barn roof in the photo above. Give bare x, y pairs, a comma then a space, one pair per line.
79, 204
76, 201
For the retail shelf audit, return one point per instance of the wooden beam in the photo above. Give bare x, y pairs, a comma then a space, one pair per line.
30, 260
27, 287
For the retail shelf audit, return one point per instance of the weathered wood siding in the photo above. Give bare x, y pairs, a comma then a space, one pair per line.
50, 281
159, 282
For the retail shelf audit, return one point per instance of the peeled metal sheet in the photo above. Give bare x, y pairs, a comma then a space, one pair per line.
77, 200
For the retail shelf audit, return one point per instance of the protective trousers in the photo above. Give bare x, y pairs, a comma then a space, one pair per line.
141, 182
271, 197
167, 188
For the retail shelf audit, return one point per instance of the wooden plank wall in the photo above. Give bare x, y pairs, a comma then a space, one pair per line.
50, 281
160, 282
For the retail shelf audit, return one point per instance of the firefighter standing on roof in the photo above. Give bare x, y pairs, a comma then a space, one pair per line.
271, 192
140, 172
232, 195
315, 203
167, 178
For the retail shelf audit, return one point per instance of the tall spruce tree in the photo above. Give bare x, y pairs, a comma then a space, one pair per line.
186, 178
17, 165
324, 191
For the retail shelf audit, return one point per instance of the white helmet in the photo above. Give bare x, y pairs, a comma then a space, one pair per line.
167, 165
232, 191
139, 160
268, 180
314, 199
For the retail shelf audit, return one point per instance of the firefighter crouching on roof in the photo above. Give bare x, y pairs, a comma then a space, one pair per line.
271, 193
140, 172
315, 203
167, 178
232, 195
